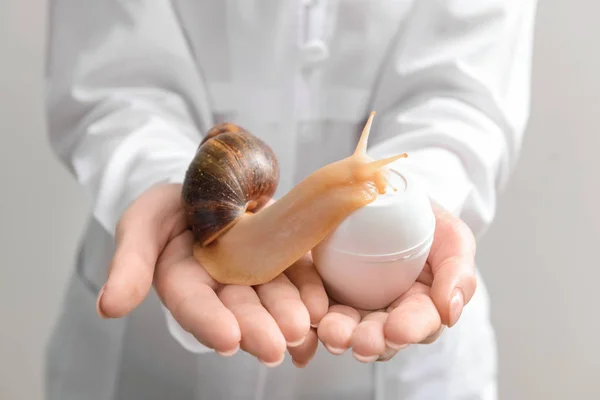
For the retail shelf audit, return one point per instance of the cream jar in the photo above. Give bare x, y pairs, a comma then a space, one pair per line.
379, 251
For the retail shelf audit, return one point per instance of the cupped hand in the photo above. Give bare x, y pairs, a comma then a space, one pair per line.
154, 246
446, 284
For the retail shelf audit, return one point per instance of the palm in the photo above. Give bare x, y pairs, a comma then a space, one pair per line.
435, 300
262, 320
154, 246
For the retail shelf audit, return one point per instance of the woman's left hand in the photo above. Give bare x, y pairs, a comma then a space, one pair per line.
436, 300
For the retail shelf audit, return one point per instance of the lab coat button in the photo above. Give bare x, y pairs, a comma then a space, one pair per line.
314, 52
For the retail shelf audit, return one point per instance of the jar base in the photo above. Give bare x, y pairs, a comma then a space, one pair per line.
365, 285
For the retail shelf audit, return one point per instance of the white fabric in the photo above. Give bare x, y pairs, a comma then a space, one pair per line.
133, 85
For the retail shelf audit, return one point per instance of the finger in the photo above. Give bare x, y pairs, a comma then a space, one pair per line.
261, 336
301, 355
282, 300
433, 337
412, 319
426, 276
452, 260
305, 277
187, 290
368, 341
142, 233
337, 327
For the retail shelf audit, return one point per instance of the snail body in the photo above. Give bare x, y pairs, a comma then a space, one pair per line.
238, 239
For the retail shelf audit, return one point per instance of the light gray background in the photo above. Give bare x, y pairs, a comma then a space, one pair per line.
538, 258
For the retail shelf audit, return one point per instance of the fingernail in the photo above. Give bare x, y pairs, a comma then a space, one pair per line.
228, 353
335, 350
395, 346
456, 307
388, 354
296, 343
365, 359
98, 309
274, 364
298, 365
314, 325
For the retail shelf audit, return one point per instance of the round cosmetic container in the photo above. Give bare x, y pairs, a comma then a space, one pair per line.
378, 251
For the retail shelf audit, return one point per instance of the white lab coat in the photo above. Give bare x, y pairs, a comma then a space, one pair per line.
132, 86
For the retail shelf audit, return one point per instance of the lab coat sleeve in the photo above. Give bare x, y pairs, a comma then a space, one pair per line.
126, 105
459, 83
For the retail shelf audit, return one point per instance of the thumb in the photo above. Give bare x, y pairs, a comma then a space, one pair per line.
142, 233
452, 261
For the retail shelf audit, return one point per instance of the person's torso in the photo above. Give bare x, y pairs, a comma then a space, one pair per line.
302, 75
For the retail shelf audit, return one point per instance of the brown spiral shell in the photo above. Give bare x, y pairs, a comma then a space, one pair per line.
232, 172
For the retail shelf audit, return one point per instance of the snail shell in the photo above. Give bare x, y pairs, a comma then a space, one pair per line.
233, 172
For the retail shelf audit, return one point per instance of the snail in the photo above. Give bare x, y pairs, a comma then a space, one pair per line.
229, 183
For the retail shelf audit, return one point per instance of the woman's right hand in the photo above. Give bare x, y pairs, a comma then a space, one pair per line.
153, 246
